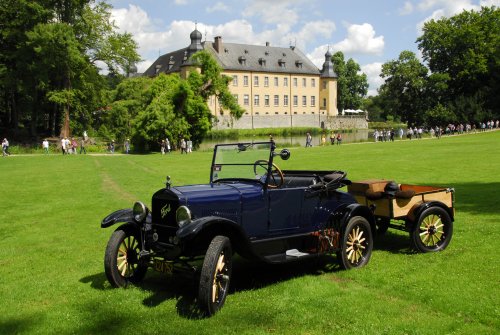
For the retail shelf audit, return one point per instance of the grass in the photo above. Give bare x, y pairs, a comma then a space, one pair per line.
52, 247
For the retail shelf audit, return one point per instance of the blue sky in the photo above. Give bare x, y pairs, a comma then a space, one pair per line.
371, 32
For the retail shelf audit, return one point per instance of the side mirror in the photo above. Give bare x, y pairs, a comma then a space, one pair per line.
285, 154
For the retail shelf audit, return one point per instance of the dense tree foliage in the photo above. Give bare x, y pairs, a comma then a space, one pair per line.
459, 80
49, 70
352, 85
167, 106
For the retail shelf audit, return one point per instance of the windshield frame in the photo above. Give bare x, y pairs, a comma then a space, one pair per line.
242, 146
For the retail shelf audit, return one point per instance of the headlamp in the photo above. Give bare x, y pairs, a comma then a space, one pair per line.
139, 211
183, 216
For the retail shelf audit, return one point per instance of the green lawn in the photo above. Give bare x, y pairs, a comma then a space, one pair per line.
52, 248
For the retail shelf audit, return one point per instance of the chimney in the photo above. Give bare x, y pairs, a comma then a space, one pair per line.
218, 44
267, 44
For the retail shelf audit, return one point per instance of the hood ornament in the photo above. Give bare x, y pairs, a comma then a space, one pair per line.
168, 184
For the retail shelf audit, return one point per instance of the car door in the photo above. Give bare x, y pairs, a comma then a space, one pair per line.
285, 209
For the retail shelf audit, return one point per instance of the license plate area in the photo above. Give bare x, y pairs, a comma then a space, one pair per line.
163, 266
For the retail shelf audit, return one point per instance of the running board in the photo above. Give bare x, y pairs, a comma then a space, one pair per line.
289, 255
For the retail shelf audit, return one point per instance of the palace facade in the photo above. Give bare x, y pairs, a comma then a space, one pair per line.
266, 80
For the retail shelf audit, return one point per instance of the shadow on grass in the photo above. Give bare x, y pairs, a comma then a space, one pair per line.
247, 275
20, 325
477, 198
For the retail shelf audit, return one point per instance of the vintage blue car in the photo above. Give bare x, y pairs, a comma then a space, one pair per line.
251, 207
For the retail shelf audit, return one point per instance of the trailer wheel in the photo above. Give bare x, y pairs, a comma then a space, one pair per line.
432, 231
357, 244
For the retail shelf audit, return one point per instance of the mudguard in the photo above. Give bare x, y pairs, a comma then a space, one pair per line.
200, 232
353, 210
122, 215
415, 212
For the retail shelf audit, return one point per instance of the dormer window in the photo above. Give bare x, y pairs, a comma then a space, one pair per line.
284, 54
298, 64
246, 51
226, 50
281, 63
242, 60
266, 53
262, 61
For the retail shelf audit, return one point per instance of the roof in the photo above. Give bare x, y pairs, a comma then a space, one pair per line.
238, 57
256, 58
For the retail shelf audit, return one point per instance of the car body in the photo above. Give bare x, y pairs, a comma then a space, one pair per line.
249, 207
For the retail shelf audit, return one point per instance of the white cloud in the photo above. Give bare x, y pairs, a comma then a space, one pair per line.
218, 7
372, 72
280, 12
180, 2
448, 8
407, 9
361, 40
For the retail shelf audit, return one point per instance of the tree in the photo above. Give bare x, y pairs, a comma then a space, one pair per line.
48, 65
352, 85
404, 87
466, 48
174, 108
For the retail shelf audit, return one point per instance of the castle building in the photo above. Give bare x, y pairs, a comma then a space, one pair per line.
266, 80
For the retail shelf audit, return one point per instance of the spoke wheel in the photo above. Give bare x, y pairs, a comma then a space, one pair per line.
357, 244
215, 275
432, 231
121, 260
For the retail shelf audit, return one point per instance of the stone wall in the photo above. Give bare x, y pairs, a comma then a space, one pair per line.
284, 121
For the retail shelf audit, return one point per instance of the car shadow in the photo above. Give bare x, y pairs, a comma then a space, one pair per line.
246, 275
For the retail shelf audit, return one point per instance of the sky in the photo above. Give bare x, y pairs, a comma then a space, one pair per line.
371, 32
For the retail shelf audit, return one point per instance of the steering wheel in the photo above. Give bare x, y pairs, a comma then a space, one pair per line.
277, 178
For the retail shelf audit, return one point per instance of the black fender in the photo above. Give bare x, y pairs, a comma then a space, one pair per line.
200, 232
122, 215
417, 209
353, 210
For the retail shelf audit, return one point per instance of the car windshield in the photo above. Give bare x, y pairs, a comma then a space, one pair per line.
241, 161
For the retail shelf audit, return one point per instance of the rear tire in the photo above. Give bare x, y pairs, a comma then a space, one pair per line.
215, 275
432, 231
121, 259
357, 244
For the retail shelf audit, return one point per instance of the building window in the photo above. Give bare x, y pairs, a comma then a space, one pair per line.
256, 100
313, 82
266, 100
276, 81
304, 100
324, 102
255, 80
324, 85
313, 100
245, 80
285, 82
246, 99
295, 82
276, 100
304, 82
266, 81
235, 80
285, 100
295, 100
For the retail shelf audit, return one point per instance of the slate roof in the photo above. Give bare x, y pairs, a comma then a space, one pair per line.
243, 57
256, 58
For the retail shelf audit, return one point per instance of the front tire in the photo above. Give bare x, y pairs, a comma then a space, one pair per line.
357, 244
215, 275
121, 260
432, 231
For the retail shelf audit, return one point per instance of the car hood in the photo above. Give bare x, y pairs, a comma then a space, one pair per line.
218, 199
